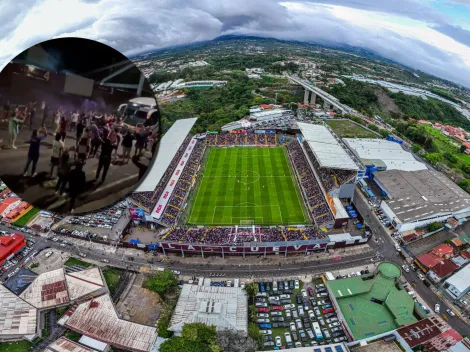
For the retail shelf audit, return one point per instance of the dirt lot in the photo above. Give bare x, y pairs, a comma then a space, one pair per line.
140, 305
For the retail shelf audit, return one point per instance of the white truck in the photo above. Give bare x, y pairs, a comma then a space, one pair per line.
140, 112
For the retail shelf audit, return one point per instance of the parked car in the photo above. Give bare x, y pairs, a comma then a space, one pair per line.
450, 312
263, 310
268, 344
329, 315
284, 297
298, 323
304, 293
277, 307
332, 325
278, 341
323, 294
292, 326
310, 291
295, 315
265, 332
261, 304
288, 314
289, 306
263, 315
296, 284
421, 276
336, 329
265, 326
331, 320
310, 333
406, 268
328, 310
262, 320
303, 335
276, 314
278, 319
261, 294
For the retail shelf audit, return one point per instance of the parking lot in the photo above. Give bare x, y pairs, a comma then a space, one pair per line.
290, 314
106, 224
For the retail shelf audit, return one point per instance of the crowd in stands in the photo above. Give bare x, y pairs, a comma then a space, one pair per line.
225, 236
317, 204
183, 186
148, 199
231, 139
329, 177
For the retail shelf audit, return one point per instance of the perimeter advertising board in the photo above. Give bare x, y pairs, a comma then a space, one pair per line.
260, 131
253, 249
270, 132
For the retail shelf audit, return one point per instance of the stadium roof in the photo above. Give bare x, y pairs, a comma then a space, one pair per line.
17, 317
390, 153
326, 147
167, 149
223, 307
420, 194
98, 319
460, 279
65, 345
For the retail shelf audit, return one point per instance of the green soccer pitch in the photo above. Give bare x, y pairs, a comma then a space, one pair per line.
244, 186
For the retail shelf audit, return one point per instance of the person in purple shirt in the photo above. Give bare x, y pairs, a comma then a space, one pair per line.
33, 153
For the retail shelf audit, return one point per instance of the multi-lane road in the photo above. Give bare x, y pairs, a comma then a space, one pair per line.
382, 244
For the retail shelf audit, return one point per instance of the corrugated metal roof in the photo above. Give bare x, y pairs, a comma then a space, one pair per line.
327, 149
65, 345
83, 282
17, 317
390, 153
98, 320
167, 149
48, 290
223, 307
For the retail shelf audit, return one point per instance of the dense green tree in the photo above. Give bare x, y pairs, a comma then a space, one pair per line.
434, 226
162, 282
234, 341
433, 158
463, 148
384, 132
253, 333
464, 184
373, 127
416, 148
162, 326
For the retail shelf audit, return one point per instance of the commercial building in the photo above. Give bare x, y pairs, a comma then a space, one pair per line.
458, 284
372, 304
418, 198
382, 155
432, 333
98, 319
18, 319
10, 245
335, 347
226, 308
63, 344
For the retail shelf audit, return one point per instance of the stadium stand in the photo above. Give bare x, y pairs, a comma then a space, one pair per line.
224, 236
316, 201
178, 197
233, 139
147, 200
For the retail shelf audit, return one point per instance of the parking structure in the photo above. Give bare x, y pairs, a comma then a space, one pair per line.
290, 314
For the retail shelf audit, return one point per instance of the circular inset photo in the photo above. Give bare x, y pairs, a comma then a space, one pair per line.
79, 125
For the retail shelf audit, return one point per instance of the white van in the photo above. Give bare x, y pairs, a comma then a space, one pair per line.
288, 337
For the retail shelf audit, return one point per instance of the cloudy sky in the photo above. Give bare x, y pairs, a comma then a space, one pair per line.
431, 35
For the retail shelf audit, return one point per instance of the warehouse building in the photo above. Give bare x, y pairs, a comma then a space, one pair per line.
223, 307
418, 198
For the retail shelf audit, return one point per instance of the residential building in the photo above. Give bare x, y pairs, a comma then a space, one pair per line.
458, 284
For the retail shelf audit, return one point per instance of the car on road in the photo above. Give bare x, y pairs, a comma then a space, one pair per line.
437, 308
464, 302
105, 260
405, 268
278, 341
450, 312
421, 276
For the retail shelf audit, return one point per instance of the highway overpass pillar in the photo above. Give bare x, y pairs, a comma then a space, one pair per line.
326, 105
306, 94
141, 85
313, 98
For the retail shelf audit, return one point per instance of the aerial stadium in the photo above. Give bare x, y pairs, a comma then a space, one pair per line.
250, 191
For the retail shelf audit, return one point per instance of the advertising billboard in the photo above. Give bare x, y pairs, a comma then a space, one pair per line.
137, 214
260, 131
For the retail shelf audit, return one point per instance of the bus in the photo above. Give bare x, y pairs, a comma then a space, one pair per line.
317, 331
140, 112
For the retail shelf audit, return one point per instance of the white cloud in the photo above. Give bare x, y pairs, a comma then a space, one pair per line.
399, 30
